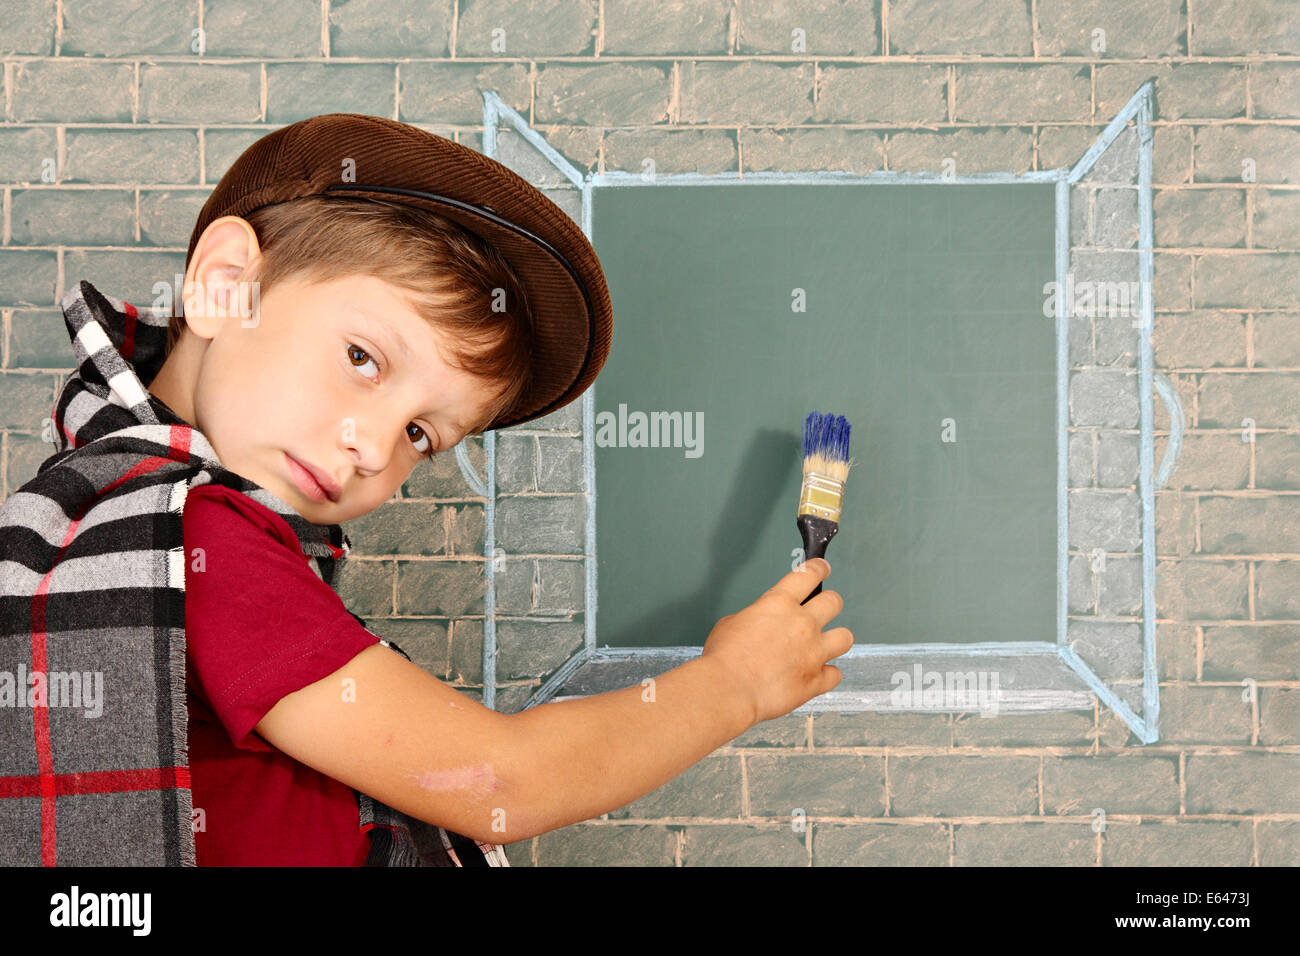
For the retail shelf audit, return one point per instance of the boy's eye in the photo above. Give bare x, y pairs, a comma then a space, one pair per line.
356, 350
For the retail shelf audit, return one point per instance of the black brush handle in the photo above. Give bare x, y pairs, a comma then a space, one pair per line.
817, 533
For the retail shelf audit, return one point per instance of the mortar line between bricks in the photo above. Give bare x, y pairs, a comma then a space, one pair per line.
325, 28
888, 799
1025, 125
599, 46
1034, 27
582, 59
1092, 89
1250, 590
1250, 214
744, 784
993, 751
1249, 71
884, 28
455, 30
779, 821
1254, 842
1200, 651
1182, 783
1196, 518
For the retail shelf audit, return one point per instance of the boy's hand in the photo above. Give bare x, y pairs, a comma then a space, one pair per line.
776, 647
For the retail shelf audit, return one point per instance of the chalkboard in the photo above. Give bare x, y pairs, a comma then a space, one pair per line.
917, 312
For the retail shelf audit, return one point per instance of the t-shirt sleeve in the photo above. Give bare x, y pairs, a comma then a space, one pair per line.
259, 623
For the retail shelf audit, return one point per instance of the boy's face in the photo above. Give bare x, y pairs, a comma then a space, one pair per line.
322, 377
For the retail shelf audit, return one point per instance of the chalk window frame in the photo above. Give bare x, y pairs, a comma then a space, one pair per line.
1094, 657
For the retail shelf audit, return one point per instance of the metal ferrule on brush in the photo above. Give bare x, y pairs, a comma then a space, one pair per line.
822, 496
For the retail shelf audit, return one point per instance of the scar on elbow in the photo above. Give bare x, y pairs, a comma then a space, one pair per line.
457, 778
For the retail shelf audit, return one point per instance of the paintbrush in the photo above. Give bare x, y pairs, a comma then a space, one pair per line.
826, 466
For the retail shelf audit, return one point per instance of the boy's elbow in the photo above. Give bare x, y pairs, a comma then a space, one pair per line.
502, 792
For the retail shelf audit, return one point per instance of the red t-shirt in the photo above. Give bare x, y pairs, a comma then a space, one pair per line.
259, 625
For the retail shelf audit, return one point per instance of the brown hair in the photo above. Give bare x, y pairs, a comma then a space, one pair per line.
453, 277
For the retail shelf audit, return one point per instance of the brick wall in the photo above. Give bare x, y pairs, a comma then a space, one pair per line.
137, 126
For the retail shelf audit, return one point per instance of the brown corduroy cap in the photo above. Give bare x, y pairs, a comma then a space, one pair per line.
573, 319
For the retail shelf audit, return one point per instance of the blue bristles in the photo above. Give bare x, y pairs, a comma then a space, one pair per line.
826, 435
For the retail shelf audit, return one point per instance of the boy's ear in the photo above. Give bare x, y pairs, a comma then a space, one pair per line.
213, 290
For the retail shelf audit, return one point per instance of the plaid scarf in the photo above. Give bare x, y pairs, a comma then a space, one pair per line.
92, 597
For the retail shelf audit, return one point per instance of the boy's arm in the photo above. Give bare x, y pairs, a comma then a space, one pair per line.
404, 737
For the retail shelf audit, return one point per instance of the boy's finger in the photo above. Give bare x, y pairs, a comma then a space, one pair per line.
799, 583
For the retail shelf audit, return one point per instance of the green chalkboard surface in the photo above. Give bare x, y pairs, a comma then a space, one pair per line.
916, 311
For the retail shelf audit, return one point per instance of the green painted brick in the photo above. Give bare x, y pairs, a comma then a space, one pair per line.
132, 156
366, 587
128, 27
27, 153
28, 277
526, 28
962, 785
452, 93
839, 785
620, 94
295, 91
710, 788
1180, 843
1075, 785
38, 338
28, 400
741, 845
466, 651
400, 527
51, 216
389, 28
1243, 783
447, 588
1279, 842
287, 28
654, 29
608, 845
26, 453
72, 91
167, 216
128, 274
221, 147
27, 27
210, 92
878, 843
1024, 843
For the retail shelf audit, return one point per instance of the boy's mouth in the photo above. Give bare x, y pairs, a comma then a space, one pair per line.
311, 481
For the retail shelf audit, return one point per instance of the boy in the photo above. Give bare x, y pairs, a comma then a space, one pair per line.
358, 295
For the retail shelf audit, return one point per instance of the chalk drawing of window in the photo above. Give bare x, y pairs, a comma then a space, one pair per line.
1024, 376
